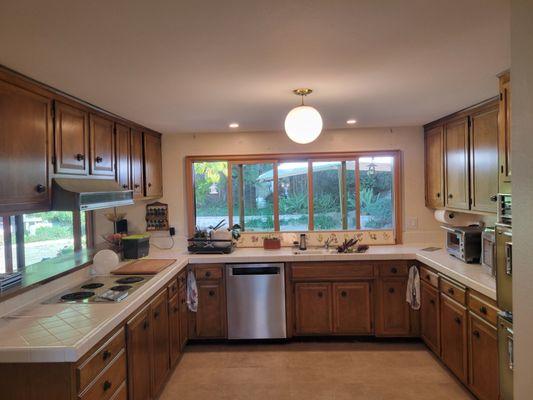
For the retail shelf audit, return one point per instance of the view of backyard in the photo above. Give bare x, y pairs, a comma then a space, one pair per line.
334, 188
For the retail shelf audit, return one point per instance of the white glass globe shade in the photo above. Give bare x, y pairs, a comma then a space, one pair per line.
303, 124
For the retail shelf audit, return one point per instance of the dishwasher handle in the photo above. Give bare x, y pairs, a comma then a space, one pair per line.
236, 271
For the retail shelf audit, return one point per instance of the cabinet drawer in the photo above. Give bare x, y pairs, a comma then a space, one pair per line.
483, 309
121, 393
453, 290
99, 360
172, 287
429, 276
105, 385
208, 272
331, 271
395, 268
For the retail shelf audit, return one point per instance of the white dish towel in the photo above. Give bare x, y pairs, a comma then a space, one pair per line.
192, 292
412, 295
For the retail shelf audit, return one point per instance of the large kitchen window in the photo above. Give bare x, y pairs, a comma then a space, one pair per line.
42, 238
295, 193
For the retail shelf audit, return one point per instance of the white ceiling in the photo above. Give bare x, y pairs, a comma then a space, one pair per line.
189, 66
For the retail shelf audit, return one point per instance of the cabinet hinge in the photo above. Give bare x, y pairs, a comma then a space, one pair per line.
53, 111
501, 96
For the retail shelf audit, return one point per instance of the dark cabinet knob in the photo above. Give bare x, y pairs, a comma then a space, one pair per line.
476, 334
98, 159
320, 294
344, 294
451, 291
391, 290
432, 302
457, 320
79, 157
211, 293
107, 385
394, 270
494, 198
483, 310
40, 188
149, 184
182, 301
450, 196
156, 314
428, 277
438, 195
124, 186
176, 309
208, 274
106, 354
146, 325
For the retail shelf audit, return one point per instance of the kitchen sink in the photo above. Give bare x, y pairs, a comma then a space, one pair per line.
315, 251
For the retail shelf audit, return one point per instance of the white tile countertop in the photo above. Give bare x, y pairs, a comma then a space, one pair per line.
65, 332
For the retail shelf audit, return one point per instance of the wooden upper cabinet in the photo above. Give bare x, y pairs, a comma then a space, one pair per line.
139, 347
392, 317
483, 359
25, 132
313, 306
137, 175
102, 141
454, 336
123, 156
71, 140
456, 159
484, 158
434, 167
430, 316
152, 165
352, 308
504, 134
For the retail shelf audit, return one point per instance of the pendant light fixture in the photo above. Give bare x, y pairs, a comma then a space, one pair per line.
303, 124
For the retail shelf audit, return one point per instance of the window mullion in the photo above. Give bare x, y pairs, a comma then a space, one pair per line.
76, 229
229, 194
276, 197
19, 235
357, 196
241, 197
8, 249
310, 195
344, 202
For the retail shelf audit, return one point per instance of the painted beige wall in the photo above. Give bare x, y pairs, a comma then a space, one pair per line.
407, 139
522, 151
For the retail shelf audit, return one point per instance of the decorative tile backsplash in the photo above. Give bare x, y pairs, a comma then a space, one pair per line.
317, 239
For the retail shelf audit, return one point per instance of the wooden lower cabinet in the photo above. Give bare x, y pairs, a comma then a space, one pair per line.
430, 316
392, 316
313, 308
483, 359
453, 326
174, 329
210, 319
148, 349
183, 317
352, 308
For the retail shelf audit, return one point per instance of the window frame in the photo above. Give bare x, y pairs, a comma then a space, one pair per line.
298, 157
18, 246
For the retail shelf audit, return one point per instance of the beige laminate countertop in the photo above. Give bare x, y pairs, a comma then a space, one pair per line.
65, 332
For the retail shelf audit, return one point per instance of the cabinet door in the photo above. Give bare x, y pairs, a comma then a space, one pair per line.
429, 317
457, 187
152, 165
139, 356
434, 150
160, 345
504, 134
102, 142
211, 314
393, 313
484, 158
174, 328
71, 140
25, 129
483, 348
352, 308
184, 315
122, 138
313, 308
453, 336
137, 175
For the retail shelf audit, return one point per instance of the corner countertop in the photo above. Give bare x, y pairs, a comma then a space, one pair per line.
65, 332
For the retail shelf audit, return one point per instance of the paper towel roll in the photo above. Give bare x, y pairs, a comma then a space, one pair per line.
455, 219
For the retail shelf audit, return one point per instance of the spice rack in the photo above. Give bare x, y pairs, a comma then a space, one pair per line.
157, 217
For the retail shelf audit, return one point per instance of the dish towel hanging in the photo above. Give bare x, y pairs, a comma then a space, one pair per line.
412, 295
192, 292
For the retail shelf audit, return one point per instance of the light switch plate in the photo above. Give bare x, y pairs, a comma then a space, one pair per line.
412, 223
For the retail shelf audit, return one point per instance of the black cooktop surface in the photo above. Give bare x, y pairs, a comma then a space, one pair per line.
130, 279
77, 296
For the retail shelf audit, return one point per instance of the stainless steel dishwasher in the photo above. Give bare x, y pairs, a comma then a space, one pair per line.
256, 301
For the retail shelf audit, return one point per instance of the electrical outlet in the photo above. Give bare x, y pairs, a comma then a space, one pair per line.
412, 223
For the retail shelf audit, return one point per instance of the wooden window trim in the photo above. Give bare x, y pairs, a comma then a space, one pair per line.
276, 158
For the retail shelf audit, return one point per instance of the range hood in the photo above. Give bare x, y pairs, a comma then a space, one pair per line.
88, 194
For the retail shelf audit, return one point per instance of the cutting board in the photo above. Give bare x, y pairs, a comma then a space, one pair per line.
144, 267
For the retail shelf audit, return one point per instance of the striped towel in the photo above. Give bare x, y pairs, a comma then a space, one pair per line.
412, 295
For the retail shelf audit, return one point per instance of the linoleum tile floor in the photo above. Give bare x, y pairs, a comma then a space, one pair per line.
312, 370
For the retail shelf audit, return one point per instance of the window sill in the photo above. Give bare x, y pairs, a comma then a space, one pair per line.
49, 270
